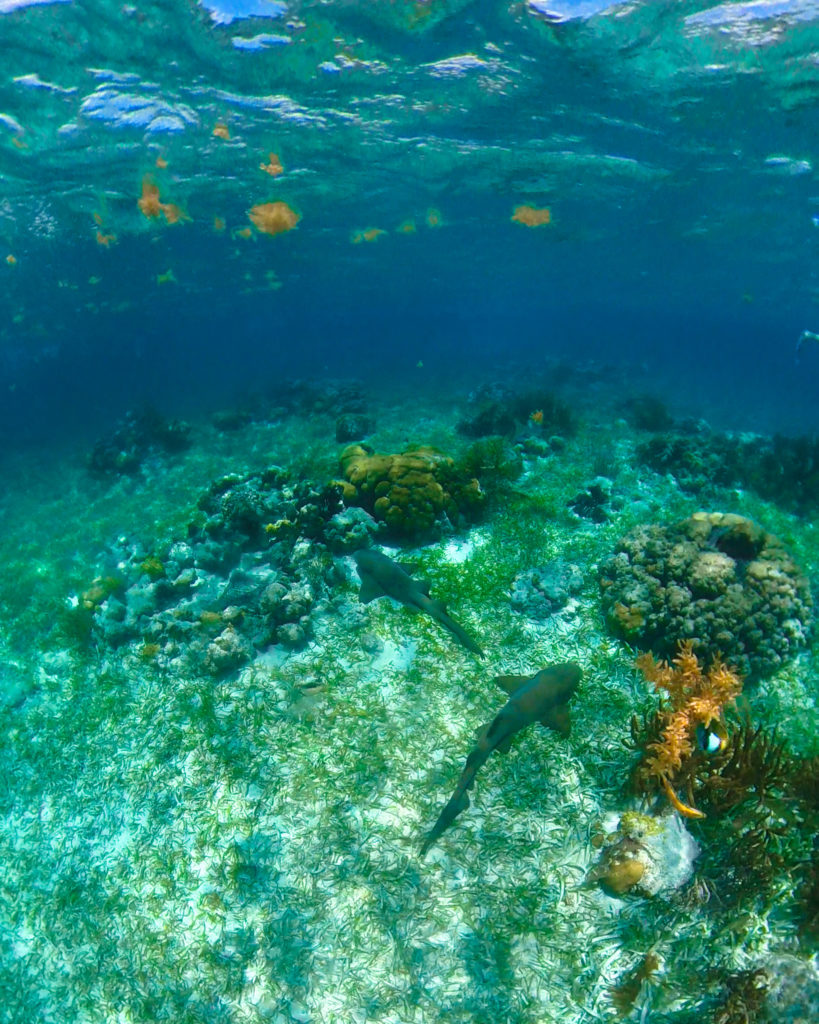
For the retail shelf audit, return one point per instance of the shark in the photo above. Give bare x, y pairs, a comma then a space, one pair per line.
381, 577
543, 697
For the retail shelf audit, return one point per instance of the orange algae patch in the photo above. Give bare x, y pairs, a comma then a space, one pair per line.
273, 218
11, 260
242, 233
407, 227
19, 143
218, 223
221, 130
434, 218
536, 416
531, 216
105, 240
161, 163
273, 167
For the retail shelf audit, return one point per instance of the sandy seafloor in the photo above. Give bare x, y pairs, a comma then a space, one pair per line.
179, 847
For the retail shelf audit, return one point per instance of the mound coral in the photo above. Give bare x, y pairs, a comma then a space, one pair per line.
273, 218
717, 578
697, 698
409, 491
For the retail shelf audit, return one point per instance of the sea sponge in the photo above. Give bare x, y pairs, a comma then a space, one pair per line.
273, 218
410, 491
716, 578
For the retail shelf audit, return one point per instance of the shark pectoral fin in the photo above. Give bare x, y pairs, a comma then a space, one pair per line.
504, 745
558, 718
423, 586
369, 591
511, 683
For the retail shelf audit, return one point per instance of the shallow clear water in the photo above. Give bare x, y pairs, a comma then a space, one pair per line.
191, 845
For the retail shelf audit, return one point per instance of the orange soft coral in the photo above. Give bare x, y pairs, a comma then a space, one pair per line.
696, 698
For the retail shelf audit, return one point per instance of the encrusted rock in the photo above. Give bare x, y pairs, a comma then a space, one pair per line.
539, 593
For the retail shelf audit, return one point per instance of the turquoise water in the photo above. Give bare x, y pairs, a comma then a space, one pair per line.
227, 226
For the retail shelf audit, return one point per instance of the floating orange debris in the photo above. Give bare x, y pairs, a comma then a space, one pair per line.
151, 207
105, 240
161, 163
242, 233
407, 227
537, 416
273, 218
273, 167
173, 213
367, 235
531, 216
97, 218
148, 202
218, 223
221, 130
434, 218
18, 142
11, 260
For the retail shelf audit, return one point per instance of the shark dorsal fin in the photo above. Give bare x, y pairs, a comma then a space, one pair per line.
511, 683
369, 591
558, 718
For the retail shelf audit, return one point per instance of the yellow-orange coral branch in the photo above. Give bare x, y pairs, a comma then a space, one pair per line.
677, 804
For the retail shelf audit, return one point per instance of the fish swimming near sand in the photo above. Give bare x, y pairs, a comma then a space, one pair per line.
381, 577
543, 697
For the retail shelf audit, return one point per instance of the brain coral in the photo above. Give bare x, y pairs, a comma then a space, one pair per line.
409, 491
716, 578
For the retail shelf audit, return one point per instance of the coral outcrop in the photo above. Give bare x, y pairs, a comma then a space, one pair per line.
136, 437
716, 578
646, 855
539, 593
411, 492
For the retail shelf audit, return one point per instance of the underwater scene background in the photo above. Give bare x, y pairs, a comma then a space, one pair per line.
384, 385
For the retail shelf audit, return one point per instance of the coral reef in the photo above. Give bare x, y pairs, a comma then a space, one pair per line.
251, 571
499, 411
716, 578
411, 492
647, 412
135, 438
539, 593
353, 426
780, 469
